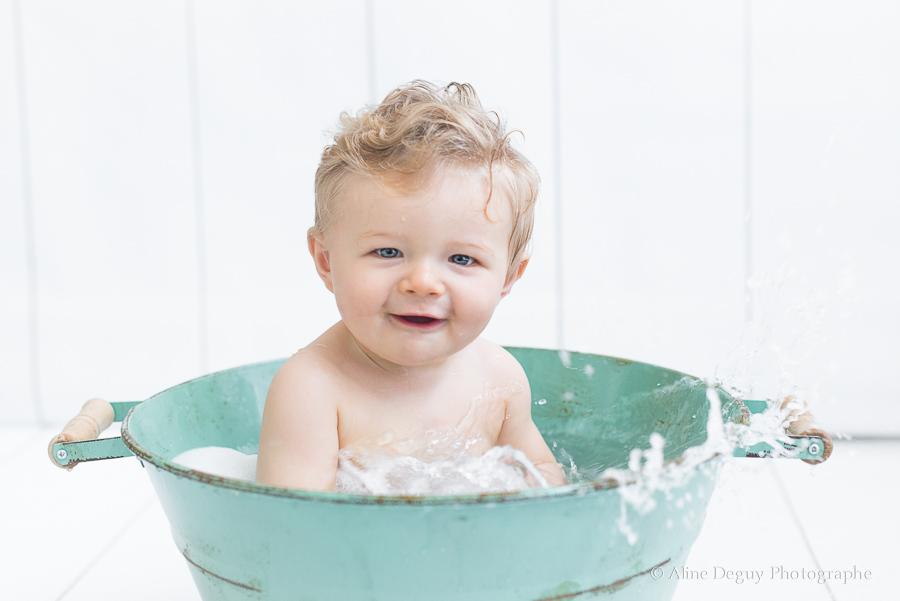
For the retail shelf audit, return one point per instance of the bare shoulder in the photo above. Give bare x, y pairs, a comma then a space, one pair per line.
312, 369
301, 395
298, 443
305, 368
503, 368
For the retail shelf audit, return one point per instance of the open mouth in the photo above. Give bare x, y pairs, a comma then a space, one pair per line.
419, 321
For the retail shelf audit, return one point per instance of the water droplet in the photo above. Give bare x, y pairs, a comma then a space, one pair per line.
542, 402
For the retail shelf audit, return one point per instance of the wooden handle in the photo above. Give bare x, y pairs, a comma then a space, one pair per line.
96, 415
803, 423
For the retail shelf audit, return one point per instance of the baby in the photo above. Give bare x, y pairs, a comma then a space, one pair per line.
423, 214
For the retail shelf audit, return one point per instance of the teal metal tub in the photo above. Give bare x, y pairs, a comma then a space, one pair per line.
242, 540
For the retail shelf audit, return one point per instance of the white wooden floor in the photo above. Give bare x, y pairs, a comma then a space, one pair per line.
98, 533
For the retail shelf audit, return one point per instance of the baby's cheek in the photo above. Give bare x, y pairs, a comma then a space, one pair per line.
359, 296
481, 307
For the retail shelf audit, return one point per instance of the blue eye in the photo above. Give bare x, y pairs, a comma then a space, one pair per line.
464, 260
387, 253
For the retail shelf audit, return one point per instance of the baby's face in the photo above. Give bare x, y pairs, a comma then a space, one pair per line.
417, 275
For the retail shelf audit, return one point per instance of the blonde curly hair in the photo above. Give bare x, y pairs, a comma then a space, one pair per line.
421, 128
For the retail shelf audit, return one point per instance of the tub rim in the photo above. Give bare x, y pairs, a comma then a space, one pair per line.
578, 489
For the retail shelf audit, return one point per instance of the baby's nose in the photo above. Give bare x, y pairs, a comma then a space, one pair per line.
423, 279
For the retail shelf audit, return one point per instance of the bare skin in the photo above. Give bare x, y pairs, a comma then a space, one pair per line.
416, 278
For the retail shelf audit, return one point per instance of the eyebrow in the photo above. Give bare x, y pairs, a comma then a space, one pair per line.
472, 245
379, 234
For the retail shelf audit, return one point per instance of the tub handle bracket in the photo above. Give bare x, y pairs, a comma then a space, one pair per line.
70, 454
808, 448
79, 440
803, 440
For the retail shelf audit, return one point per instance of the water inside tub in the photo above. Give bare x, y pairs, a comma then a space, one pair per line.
500, 469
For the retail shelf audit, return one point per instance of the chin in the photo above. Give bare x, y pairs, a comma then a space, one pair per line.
410, 356
417, 360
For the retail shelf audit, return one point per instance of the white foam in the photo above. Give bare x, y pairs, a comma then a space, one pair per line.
219, 461
500, 469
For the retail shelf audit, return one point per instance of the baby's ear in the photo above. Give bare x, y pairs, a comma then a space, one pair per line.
320, 256
514, 276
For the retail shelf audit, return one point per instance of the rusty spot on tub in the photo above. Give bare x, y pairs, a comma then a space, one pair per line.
605, 588
605, 484
572, 398
745, 414
425, 499
214, 575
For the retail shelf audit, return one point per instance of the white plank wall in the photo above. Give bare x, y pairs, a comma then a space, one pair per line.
652, 180
271, 80
160, 171
109, 139
826, 183
17, 396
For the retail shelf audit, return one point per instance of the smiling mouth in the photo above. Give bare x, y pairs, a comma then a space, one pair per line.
418, 321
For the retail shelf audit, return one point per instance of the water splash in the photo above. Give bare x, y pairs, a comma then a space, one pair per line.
648, 473
779, 353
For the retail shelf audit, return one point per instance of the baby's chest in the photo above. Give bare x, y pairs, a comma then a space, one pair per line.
467, 416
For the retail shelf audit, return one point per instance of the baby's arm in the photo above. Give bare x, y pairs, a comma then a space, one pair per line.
519, 432
298, 442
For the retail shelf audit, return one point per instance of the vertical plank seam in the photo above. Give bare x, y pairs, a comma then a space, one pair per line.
197, 176
748, 161
555, 110
28, 221
370, 51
